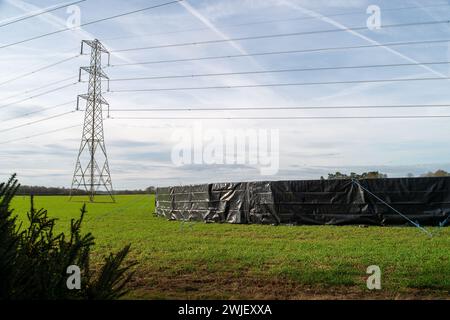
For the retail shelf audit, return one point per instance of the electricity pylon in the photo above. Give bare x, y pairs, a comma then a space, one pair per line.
92, 169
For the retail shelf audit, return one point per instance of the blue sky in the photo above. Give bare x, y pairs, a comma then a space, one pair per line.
139, 150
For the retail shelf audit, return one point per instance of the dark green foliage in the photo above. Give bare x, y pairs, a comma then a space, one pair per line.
379, 175
8, 243
437, 173
352, 175
34, 261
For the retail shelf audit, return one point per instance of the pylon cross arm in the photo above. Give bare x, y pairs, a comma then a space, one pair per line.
96, 71
91, 98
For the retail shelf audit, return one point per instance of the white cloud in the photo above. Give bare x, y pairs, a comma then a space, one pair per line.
308, 148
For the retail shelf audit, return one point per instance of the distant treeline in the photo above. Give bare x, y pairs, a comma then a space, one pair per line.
40, 190
353, 175
379, 175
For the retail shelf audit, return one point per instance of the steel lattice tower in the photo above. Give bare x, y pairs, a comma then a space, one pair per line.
92, 170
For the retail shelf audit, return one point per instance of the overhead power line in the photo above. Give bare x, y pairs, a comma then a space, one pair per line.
283, 118
38, 95
271, 21
38, 13
87, 23
41, 110
195, 109
37, 121
392, 44
282, 71
40, 134
39, 69
271, 36
40, 87
280, 84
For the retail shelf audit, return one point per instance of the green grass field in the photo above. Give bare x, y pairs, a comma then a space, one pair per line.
198, 260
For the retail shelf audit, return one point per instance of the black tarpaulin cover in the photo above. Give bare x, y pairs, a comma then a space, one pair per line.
337, 202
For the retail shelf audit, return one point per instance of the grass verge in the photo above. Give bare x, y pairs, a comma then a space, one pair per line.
197, 260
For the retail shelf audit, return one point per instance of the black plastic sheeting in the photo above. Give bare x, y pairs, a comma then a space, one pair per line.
310, 202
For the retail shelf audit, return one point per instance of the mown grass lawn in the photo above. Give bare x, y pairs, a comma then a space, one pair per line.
198, 260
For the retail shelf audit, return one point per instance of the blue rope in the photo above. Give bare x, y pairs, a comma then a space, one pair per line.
395, 210
443, 223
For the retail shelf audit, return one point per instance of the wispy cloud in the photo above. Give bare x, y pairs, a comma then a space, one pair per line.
139, 150
294, 5
49, 17
211, 26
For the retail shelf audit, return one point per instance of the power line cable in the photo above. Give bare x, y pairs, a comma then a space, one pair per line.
284, 52
39, 69
40, 87
269, 21
283, 118
40, 111
280, 85
194, 109
40, 12
87, 23
39, 95
281, 71
40, 134
271, 36
37, 121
